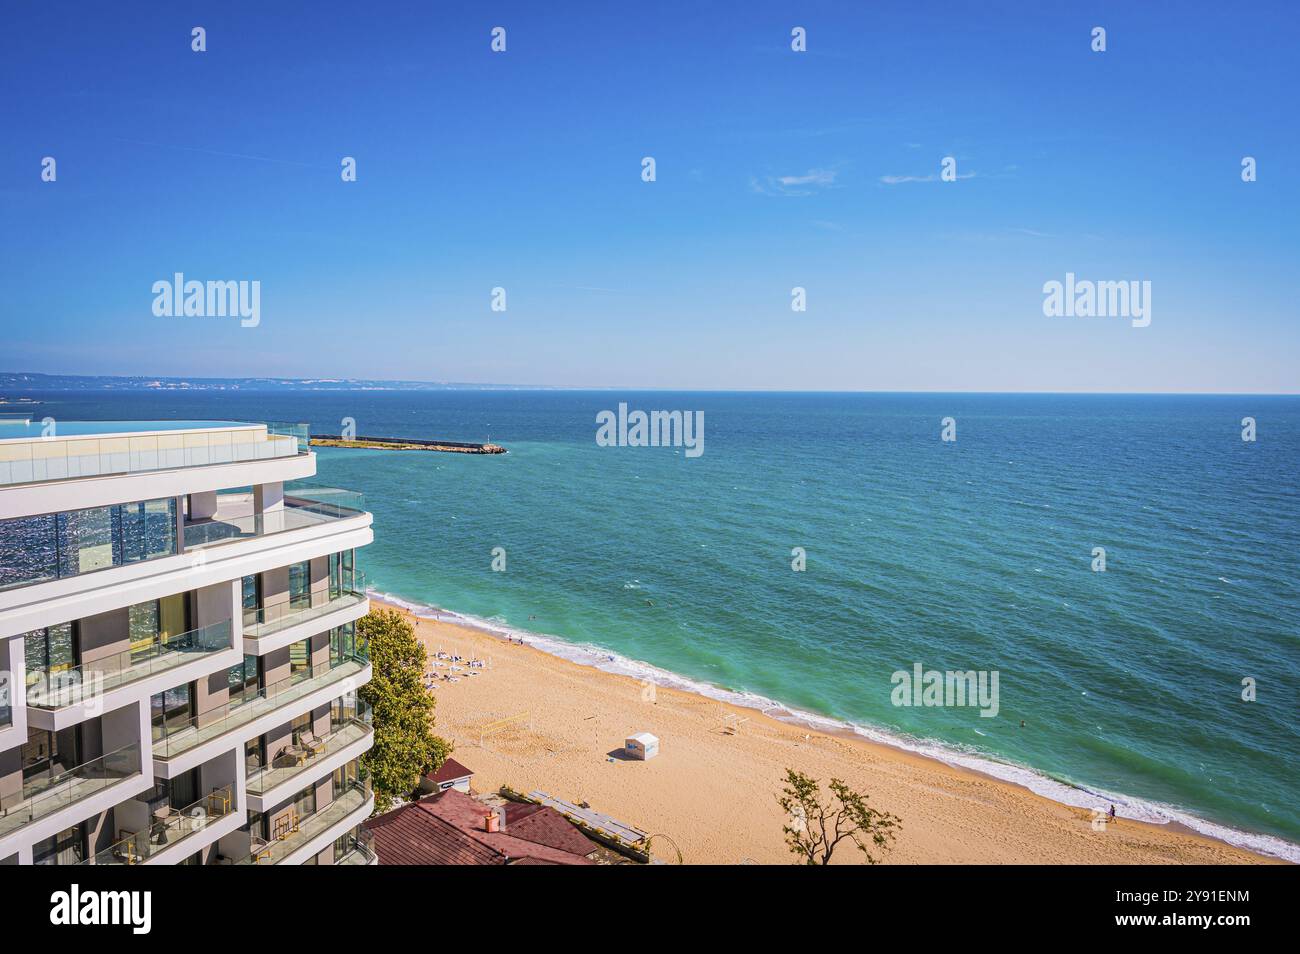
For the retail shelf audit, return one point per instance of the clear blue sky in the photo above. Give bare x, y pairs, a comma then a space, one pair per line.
522, 170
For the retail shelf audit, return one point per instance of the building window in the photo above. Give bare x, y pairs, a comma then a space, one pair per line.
170, 711
243, 681
300, 659
52, 649
47, 754
148, 529
300, 584
344, 776
86, 539
251, 597
254, 755
29, 550
68, 847
343, 643
52, 546
336, 575
304, 803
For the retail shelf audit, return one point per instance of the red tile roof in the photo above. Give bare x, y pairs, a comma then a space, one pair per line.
408, 836
447, 829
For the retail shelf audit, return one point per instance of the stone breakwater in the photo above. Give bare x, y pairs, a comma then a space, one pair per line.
404, 443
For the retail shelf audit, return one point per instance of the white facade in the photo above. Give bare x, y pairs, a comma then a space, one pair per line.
178, 653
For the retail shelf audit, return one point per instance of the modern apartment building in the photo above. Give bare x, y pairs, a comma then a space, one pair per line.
179, 662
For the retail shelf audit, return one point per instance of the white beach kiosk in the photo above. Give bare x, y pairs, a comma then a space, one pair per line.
641, 746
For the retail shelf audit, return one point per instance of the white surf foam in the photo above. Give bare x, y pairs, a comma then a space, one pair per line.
1064, 792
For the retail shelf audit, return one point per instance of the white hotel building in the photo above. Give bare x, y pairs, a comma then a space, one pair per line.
179, 662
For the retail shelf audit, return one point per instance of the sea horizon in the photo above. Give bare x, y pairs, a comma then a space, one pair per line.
17, 380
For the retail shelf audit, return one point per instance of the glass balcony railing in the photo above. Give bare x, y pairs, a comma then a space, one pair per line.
235, 519
46, 795
302, 830
72, 451
172, 740
299, 756
168, 827
271, 619
298, 430
357, 848
54, 689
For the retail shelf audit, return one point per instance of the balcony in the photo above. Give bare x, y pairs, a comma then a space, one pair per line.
173, 741
359, 850
45, 796
269, 620
353, 800
299, 760
168, 828
57, 688
237, 520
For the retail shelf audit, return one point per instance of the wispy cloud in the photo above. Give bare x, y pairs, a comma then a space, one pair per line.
932, 177
806, 184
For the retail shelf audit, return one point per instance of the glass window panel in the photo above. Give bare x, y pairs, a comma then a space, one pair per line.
304, 803
242, 679
170, 710
51, 649
28, 550
132, 522
253, 758
300, 584
160, 528
51, 546
86, 540
143, 627
249, 587
335, 575
65, 848
173, 616
299, 656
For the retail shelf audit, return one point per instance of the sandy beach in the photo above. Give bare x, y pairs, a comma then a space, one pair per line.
712, 790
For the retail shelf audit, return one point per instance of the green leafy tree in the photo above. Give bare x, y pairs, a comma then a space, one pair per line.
405, 747
815, 829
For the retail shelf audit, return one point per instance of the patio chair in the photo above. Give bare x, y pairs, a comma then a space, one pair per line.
125, 848
311, 742
258, 850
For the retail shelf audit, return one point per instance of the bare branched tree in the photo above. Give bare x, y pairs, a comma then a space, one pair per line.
814, 830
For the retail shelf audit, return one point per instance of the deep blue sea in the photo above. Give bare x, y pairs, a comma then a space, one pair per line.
975, 554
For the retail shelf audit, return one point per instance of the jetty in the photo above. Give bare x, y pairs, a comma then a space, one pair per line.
404, 443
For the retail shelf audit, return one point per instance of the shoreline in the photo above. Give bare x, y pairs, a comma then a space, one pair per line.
584, 671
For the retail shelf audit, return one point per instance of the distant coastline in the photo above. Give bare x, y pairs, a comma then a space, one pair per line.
35, 383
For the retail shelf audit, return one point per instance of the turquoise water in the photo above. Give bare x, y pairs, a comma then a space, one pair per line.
968, 555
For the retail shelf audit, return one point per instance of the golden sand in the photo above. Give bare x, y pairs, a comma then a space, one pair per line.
712, 791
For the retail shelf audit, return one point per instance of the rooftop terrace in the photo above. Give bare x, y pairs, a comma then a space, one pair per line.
32, 451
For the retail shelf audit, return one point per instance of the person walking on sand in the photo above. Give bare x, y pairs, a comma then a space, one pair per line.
1111, 813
